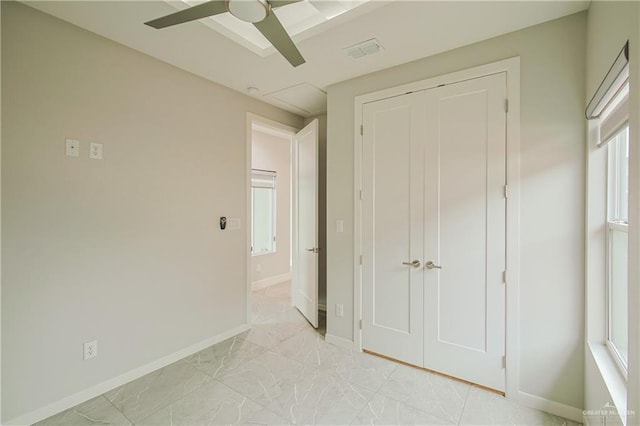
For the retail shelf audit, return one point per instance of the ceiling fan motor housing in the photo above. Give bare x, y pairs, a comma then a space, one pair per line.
249, 10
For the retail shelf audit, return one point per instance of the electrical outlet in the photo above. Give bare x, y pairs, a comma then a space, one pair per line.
91, 349
95, 151
258, 268
339, 310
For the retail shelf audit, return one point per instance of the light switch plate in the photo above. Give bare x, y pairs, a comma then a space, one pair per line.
72, 148
95, 151
339, 225
233, 223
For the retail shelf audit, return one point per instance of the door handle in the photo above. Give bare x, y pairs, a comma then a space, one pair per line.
415, 263
431, 265
313, 249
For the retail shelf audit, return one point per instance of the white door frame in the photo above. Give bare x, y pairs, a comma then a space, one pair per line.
286, 131
512, 67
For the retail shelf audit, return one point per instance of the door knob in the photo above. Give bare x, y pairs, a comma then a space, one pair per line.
415, 263
431, 265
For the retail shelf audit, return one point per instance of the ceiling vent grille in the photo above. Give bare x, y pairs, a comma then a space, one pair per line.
365, 48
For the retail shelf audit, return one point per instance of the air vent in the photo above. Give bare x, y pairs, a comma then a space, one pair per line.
365, 48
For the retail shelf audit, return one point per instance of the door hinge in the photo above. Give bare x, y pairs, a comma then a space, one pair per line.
360, 324
361, 259
506, 191
504, 277
504, 361
506, 105
361, 194
361, 130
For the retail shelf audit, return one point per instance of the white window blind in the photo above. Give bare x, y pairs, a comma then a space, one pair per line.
263, 179
615, 116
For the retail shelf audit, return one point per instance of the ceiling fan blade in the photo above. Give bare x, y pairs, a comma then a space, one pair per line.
273, 30
280, 3
203, 10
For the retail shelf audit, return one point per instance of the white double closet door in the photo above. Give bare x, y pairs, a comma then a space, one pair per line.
433, 229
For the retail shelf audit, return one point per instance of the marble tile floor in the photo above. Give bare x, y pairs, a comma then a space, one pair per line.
283, 372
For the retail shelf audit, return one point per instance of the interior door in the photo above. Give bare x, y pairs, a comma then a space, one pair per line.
464, 236
305, 260
433, 229
393, 222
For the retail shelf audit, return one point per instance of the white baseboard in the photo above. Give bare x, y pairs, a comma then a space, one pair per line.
553, 407
338, 341
97, 390
268, 282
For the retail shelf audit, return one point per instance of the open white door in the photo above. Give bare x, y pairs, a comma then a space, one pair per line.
305, 232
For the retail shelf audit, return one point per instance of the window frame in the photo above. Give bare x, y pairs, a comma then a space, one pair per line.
612, 223
257, 174
611, 346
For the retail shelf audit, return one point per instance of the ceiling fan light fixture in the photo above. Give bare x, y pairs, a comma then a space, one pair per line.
249, 10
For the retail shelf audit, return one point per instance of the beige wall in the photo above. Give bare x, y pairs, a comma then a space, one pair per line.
125, 250
552, 195
274, 153
609, 25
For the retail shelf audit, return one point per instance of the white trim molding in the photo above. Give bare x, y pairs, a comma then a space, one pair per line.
268, 282
339, 341
542, 404
101, 388
511, 67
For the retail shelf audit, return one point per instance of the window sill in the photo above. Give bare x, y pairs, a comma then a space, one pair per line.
613, 379
263, 253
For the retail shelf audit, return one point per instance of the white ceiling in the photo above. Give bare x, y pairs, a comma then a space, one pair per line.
407, 30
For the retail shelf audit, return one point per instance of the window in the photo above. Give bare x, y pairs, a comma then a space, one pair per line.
606, 241
617, 232
614, 131
263, 212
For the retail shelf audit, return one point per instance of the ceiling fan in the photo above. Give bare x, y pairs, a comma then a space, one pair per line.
258, 12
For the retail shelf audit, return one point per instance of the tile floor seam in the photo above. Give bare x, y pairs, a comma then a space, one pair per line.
464, 406
247, 397
395, 367
116, 408
364, 406
353, 422
238, 390
444, 421
186, 395
266, 349
177, 399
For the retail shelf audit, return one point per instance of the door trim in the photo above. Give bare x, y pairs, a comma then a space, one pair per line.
285, 131
512, 68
